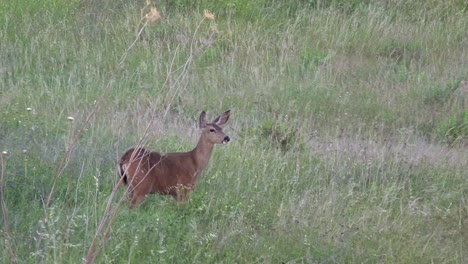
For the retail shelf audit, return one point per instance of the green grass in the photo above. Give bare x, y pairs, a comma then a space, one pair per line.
348, 127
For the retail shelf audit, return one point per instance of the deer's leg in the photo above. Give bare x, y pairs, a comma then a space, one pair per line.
138, 195
184, 191
178, 193
136, 200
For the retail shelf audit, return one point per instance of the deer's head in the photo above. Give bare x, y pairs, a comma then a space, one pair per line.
213, 131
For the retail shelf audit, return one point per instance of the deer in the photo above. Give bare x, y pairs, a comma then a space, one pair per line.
146, 172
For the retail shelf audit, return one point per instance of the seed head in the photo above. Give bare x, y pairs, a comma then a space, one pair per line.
153, 15
208, 15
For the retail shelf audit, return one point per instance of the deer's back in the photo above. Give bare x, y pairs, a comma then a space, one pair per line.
160, 173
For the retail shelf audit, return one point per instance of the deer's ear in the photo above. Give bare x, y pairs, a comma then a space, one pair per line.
202, 120
222, 119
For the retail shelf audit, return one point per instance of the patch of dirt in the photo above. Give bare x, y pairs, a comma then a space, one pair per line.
415, 152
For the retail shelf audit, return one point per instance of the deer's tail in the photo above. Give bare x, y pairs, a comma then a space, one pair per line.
122, 170
130, 156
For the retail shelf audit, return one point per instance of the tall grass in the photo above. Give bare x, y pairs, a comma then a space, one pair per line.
349, 130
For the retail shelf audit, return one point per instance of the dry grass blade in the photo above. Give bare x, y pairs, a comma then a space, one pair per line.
66, 155
92, 254
73, 143
93, 251
6, 221
94, 248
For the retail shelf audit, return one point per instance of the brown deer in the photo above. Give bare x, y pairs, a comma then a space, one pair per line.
173, 174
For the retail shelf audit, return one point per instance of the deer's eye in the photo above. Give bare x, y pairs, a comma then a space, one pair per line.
212, 130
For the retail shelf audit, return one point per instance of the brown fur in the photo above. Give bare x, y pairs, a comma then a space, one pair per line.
174, 174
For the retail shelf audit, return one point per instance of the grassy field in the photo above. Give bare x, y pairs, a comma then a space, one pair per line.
349, 130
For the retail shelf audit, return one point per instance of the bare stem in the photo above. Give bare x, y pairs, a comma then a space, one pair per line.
122, 59
91, 256
184, 68
111, 212
67, 154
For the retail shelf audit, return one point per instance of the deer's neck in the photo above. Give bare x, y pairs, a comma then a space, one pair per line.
202, 153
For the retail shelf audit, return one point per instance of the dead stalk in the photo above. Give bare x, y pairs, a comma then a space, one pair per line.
168, 102
91, 256
124, 55
73, 143
64, 161
93, 251
111, 212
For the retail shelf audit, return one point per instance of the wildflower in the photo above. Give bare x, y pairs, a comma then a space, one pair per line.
5, 152
208, 15
153, 15
28, 109
70, 118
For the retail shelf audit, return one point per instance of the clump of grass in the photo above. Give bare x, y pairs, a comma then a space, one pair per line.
280, 133
448, 111
405, 53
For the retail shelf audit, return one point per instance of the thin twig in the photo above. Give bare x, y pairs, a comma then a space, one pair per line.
91, 256
115, 211
111, 212
184, 68
64, 161
122, 59
73, 143
77, 136
93, 251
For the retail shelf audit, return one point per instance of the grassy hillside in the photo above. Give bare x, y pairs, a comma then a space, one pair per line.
348, 130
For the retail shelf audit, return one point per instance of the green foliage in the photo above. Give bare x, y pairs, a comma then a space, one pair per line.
312, 57
454, 130
440, 94
451, 126
348, 129
32, 180
405, 53
280, 133
22, 8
